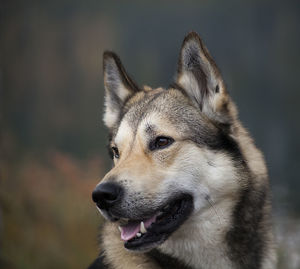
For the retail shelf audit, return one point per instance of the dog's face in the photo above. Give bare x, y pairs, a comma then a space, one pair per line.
172, 149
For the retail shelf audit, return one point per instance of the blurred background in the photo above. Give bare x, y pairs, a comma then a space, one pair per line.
53, 142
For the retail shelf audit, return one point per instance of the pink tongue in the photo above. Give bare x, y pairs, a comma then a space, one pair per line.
130, 230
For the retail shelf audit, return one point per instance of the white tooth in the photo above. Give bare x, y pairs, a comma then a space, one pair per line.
160, 213
142, 228
138, 234
120, 229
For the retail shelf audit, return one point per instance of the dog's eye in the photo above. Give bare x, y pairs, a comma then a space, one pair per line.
115, 152
161, 142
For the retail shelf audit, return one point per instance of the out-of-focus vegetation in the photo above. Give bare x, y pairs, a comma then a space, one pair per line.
52, 147
49, 220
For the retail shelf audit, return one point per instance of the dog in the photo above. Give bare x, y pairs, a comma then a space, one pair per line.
188, 188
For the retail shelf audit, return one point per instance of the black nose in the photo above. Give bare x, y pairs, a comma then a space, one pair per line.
107, 194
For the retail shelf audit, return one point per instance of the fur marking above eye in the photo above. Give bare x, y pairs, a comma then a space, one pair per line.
160, 142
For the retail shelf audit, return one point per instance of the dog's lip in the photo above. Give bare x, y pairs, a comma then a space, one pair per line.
123, 219
164, 225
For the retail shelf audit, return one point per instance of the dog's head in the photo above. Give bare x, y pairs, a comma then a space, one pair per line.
172, 149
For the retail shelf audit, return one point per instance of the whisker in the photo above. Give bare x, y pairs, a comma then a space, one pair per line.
211, 204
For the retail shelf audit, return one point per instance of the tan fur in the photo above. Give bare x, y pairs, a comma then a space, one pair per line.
117, 256
214, 178
211, 224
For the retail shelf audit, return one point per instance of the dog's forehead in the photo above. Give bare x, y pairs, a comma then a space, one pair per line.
139, 109
152, 105
157, 108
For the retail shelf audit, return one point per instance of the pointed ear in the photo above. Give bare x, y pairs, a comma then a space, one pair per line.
200, 77
118, 87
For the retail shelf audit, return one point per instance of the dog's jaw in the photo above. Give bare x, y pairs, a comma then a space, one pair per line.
201, 239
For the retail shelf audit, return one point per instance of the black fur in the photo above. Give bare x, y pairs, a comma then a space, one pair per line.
218, 138
246, 239
163, 260
166, 261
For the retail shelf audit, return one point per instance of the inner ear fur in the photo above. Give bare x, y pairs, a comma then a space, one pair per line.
118, 87
199, 76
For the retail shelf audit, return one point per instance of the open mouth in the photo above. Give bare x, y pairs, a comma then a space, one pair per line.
147, 233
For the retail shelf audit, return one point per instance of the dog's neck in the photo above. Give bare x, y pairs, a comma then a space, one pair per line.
201, 240
166, 261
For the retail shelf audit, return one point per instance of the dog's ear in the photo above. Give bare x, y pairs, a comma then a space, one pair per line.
118, 87
200, 77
